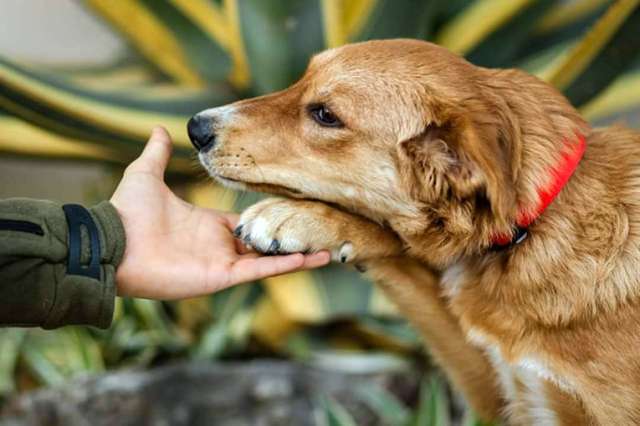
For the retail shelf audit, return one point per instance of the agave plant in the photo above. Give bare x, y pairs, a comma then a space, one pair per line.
188, 55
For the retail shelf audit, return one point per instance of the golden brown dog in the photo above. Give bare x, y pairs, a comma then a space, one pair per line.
436, 174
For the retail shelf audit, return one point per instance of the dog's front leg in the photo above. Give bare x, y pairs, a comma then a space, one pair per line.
415, 289
286, 226
277, 225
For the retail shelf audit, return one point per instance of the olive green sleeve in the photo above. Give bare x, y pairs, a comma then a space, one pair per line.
35, 288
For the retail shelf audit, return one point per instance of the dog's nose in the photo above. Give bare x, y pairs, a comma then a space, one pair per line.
201, 132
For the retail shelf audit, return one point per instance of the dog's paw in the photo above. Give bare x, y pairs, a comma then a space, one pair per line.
279, 226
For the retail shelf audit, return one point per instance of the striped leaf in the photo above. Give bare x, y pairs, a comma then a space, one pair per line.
222, 25
343, 21
150, 36
279, 36
607, 50
205, 54
96, 117
567, 13
397, 19
619, 102
477, 21
492, 51
565, 21
14, 132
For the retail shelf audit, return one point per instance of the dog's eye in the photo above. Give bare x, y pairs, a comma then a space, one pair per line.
324, 117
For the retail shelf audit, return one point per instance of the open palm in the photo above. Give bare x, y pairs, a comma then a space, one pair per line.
176, 250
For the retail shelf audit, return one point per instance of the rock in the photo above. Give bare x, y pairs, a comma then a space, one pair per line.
222, 393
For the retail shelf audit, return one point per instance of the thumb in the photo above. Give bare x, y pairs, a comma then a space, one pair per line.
156, 153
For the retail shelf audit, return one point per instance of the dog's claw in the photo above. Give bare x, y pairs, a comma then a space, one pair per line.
360, 267
238, 231
273, 247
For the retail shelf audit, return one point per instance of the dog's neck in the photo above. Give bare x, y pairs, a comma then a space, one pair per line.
537, 127
546, 138
559, 175
537, 122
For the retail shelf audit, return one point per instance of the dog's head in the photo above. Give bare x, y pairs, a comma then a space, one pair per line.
401, 131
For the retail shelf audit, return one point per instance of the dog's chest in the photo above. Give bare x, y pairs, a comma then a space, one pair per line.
527, 382
453, 280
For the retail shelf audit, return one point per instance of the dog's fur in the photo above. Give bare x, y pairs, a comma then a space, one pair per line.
435, 156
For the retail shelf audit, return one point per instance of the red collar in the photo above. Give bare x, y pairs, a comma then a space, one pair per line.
561, 174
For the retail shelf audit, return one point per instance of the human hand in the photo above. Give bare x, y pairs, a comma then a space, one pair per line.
176, 250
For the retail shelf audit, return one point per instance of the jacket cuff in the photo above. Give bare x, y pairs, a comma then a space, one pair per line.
82, 300
86, 300
112, 236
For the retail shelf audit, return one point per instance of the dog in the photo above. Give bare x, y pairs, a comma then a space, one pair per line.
503, 226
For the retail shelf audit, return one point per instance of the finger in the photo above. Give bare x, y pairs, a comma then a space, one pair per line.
316, 260
156, 154
231, 219
250, 268
311, 261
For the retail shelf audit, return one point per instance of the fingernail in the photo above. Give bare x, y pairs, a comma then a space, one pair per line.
238, 231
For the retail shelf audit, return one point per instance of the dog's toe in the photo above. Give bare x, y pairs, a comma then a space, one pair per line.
345, 253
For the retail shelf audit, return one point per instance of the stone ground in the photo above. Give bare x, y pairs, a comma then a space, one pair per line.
264, 393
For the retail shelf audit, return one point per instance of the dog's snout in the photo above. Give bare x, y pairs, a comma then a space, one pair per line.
201, 132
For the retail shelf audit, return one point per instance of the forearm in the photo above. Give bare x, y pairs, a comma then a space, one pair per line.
42, 282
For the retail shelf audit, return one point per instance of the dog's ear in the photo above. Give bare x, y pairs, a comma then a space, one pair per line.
455, 158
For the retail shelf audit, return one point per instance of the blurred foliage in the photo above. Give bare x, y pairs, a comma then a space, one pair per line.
432, 408
188, 55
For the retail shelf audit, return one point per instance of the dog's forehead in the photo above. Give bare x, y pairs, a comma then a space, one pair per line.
340, 68
358, 78
402, 58
323, 57
370, 62
328, 65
